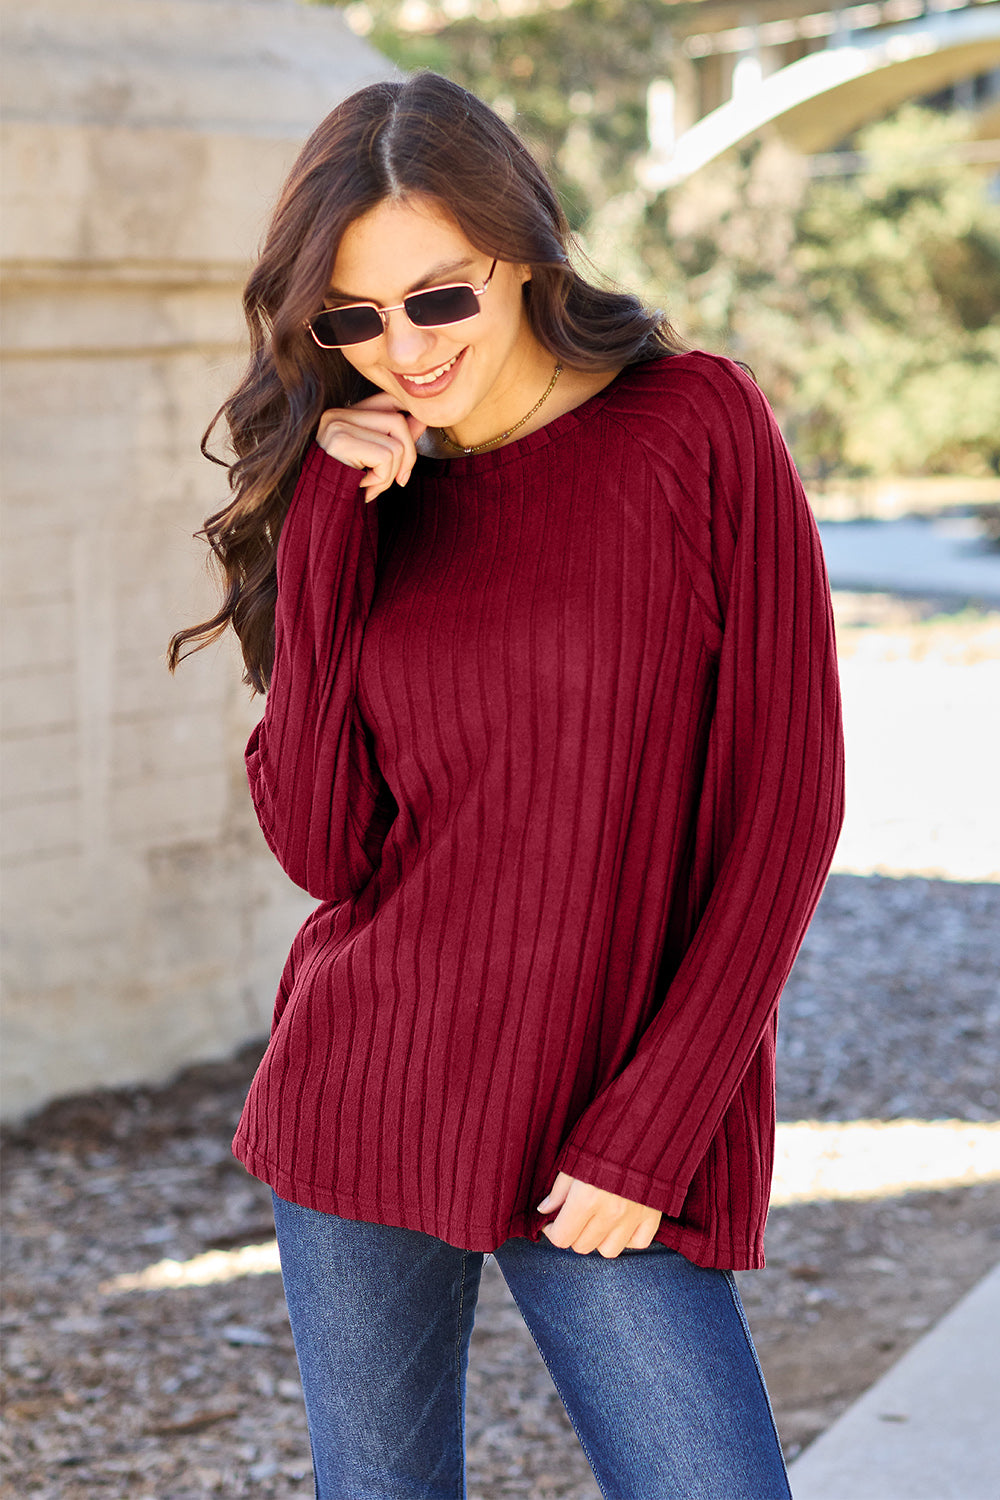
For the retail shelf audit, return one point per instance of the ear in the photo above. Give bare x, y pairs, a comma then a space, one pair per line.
524, 274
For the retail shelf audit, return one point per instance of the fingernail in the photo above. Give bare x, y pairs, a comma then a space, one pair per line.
543, 1207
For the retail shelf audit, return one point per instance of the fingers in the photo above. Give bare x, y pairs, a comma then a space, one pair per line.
592, 1219
572, 1226
373, 437
382, 401
645, 1234
613, 1246
557, 1197
379, 443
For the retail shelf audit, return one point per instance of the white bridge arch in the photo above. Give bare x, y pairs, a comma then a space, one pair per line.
822, 97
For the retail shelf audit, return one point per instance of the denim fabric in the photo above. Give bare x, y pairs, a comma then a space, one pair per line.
650, 1354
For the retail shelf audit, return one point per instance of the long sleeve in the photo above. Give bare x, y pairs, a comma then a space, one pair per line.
317, 790
565, 737
765, 826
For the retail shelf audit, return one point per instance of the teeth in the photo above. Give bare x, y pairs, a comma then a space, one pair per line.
434, 374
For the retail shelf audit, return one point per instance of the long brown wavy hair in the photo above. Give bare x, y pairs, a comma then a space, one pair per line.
422, 135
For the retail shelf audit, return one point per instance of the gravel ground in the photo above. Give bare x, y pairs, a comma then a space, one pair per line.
191, 1391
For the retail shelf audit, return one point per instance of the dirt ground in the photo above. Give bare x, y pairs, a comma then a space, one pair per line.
190, 1391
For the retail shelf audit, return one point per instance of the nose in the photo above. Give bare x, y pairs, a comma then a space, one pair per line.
405, 343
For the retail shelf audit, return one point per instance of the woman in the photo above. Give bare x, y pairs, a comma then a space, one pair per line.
552, 734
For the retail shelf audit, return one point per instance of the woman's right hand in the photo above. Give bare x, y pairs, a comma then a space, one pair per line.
374, 436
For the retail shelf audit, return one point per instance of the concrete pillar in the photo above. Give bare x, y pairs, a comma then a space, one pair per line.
144, 920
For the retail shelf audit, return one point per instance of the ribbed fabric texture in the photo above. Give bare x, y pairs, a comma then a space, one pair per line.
553, 735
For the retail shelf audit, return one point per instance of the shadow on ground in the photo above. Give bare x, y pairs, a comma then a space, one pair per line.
192, 1392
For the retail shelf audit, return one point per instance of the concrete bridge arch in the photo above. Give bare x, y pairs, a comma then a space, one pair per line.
817, 100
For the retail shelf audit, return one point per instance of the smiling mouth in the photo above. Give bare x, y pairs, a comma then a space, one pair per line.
430, 377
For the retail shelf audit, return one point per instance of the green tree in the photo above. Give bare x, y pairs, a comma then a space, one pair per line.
572, 74
868, 304
901, 268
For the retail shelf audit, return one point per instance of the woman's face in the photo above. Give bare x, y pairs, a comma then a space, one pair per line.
475, 378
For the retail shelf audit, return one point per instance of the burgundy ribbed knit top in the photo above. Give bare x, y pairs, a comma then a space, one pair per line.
553, 736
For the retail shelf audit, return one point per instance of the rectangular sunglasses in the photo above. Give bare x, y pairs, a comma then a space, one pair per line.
336, 327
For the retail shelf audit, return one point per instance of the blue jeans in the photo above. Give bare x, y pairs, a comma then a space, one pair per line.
650, 1354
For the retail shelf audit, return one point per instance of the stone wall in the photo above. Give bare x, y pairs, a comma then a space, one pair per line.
144, 921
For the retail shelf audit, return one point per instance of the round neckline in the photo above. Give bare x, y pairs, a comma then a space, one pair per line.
459, 465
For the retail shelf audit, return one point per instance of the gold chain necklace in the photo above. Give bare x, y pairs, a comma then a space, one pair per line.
478, 447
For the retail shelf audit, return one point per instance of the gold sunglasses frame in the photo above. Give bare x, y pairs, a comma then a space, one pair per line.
401, 307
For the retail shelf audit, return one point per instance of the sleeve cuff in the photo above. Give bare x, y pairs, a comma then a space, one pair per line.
639, 1187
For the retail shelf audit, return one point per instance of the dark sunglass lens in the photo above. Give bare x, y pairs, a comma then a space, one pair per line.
347, 325
440, 305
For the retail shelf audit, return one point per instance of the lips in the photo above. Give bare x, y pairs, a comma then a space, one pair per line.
430, 382
430, 378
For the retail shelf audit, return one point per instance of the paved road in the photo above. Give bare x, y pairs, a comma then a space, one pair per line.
947, 557
928, 1429
922, 726
921, 742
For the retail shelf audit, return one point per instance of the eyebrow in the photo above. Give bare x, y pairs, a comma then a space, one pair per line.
436, 273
